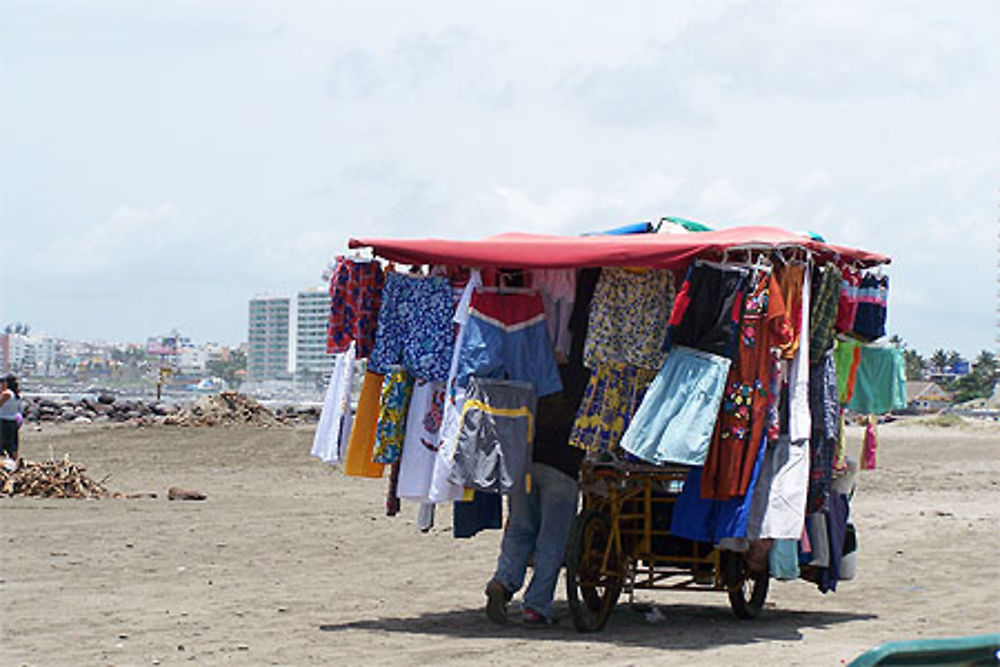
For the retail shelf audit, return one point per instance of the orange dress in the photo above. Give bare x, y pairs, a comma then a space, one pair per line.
740, 427
360, 448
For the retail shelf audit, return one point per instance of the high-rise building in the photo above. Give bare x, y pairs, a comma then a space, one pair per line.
312, 316
269, 345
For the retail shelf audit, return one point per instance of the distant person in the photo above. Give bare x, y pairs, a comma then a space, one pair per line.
10, 412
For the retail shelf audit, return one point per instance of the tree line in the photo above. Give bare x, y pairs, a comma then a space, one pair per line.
977, 383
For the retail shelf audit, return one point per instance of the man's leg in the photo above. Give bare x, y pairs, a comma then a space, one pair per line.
558, 497
518, 539
515, 550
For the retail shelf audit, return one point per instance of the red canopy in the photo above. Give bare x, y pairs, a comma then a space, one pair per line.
652, 250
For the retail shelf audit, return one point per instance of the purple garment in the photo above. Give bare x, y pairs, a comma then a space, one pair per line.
824, 410
836, 522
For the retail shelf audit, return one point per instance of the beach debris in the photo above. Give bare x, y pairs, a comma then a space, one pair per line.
177, 493
654, 616
227, 408
106, 409
50, 479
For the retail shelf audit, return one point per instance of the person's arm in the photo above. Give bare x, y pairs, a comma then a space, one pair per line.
6, 395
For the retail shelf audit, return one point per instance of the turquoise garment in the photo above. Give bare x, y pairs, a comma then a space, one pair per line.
784, 560
880, 386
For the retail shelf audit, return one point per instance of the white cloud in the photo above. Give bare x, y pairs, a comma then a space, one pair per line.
837, 50
574, 210
722, 201
129, 236
448, 61
354, 75
231, 147
116, 27
812, 50
815, 179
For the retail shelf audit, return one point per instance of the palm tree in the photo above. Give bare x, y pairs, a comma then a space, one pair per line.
987, 367
939, 360
914, 365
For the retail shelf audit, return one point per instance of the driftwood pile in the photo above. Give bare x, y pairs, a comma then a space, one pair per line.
228, 408
50, 479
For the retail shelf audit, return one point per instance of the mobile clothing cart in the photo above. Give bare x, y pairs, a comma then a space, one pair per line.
621, 540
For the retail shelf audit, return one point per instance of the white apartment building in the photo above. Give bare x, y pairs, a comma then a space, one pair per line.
193, 359
311, 318
32, 354
21, 353
269, 350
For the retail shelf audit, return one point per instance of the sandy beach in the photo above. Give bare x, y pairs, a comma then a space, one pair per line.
288, 562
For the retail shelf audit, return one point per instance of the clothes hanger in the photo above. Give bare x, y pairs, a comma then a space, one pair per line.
504, 288
724, 266
360, 256
760, 263
507, 290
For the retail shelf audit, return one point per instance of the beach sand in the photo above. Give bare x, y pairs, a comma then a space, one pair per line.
288, 562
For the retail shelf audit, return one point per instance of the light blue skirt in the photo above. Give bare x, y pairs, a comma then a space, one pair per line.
675, 420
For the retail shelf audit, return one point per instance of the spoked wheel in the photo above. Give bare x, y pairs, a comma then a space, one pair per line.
747, 590
592, 591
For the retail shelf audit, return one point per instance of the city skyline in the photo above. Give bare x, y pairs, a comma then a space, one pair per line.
165, 163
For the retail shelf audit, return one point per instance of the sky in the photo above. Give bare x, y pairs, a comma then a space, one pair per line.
163, 162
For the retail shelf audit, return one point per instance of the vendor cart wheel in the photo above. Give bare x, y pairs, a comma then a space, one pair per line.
747, 590
592, 594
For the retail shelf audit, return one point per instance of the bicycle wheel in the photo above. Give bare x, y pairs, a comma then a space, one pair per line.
747, 590
592, 592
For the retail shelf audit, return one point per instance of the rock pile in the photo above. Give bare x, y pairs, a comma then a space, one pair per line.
87, 410
50, 479
228, 408
291, 414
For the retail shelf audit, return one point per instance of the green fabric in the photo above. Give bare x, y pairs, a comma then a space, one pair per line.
823, 312
689, 225
881, 381
843, 356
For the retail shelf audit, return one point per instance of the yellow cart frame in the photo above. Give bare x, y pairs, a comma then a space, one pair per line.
614, 540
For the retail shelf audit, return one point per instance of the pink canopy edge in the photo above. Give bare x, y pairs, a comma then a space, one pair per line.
652, 250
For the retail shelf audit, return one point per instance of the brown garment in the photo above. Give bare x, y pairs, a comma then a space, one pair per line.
790, 279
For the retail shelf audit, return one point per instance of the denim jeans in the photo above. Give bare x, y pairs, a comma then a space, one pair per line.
539, 523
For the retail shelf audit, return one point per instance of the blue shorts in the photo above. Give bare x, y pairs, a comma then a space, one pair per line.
675, 420
506, 338
415, 327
